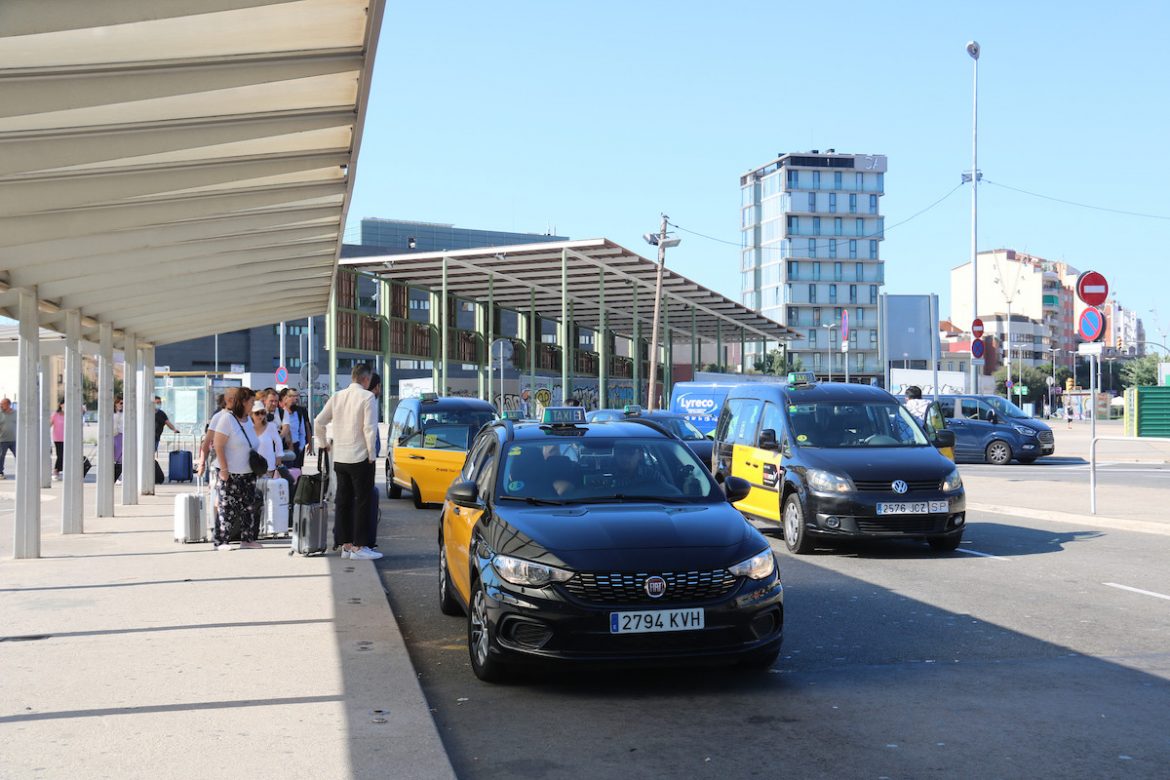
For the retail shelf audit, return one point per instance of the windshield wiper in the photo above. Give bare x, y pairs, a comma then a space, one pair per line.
535, 501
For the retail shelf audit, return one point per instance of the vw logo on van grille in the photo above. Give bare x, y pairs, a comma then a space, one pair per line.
899, 486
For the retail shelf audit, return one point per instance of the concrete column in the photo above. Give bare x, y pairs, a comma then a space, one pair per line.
27, 526
71, 508
603, 346
491, 336
105, 454
444, 333
533, 344
435, 341
48, 406
331, 337
668, 358
146, 392
131, 442
636, 351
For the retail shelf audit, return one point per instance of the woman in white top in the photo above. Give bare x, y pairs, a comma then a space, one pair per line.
119, 427
271, 447
235, 486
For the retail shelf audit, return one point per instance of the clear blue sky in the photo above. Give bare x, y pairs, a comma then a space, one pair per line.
593, 118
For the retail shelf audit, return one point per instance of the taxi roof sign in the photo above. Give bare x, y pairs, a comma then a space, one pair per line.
563, 415
801, 377
513, 414
428, 396
632, 410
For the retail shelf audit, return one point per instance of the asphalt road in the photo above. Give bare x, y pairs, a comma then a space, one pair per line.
1038, 650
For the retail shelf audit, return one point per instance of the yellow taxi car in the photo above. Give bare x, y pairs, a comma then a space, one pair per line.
429, 437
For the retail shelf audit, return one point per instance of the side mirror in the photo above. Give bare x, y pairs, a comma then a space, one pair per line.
768, 439
944, 438
736, 488
464, 493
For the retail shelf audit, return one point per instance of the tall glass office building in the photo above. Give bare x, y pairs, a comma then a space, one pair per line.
812, 231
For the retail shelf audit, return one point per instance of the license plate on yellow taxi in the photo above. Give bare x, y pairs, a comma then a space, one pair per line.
649, 621
911, 507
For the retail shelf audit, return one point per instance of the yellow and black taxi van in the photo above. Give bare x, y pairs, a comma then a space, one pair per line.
836, 461
428, 442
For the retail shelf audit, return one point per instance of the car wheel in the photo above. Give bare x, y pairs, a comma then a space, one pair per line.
760, 659
998, 453
416, 495
447, 603
945, 543
479, 638
392, 490
795, 537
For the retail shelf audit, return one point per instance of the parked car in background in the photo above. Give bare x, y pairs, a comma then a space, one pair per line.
991, 429
677, 424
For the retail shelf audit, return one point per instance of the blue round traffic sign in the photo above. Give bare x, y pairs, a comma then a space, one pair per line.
977, 348
281, 375
1091, 324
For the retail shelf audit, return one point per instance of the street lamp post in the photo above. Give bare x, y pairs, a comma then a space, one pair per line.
973, 52
661, 241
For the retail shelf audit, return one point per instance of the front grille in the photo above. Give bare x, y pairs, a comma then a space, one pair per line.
619, 588
1046, 437
908, 524
883, 485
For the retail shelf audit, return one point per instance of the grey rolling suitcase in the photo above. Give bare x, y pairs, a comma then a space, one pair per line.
310, 522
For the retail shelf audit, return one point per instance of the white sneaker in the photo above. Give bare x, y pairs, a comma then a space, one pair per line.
344, 553
3, 477
223, 547
365, 554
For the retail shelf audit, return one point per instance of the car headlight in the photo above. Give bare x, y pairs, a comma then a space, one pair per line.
827, 482
757, 567
521, 572
1024, 430
953, 482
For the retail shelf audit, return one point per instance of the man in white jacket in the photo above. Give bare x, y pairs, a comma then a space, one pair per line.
354, 417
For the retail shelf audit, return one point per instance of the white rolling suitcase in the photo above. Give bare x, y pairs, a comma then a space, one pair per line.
189, 524
274, 499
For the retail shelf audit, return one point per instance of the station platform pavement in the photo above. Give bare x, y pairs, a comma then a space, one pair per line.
124, 654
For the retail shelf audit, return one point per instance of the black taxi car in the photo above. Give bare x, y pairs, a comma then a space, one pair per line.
836, 461
602, 542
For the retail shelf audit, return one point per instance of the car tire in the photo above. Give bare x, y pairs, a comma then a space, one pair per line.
479, 638
760, 659
945, 543
392, 490
998, 453
448, 605
415, 495
796, 537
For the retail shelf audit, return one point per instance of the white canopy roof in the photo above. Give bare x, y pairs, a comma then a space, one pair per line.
179, 168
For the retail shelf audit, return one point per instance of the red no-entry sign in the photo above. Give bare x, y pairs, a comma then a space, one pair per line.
1092, 288
977, 327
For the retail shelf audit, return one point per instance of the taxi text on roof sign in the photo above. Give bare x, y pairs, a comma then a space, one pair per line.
801, 377
563, 415
632, 410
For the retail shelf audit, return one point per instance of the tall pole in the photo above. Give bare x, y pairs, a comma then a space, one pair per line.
973, 51
654, 323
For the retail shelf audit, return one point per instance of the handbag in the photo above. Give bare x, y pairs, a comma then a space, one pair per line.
257, 462
312, 487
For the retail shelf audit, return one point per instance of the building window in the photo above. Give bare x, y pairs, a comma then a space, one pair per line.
812, 201
836, 272
859, 227
832, 293
852, 203
873, 204
812, 337
873, 249
816, 226
816, 180
793, 315
859, 182
881, 182
832, 247
837, 180
812, 293
812, 247
860, 316
853, 293
858, 271
793, 226
873, 293
873, 338
852, 249
793, 269
838, 227
793, 180
833, 201
817, 317
816, 272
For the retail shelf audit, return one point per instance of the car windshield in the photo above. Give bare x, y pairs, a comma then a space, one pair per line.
586, 470
1005, 408
840, 425
437, 436
680, 427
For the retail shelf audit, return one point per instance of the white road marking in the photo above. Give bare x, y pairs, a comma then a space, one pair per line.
1137, 590
982, 554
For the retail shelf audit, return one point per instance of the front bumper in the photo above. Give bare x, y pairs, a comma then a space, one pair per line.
551, 624
856, 516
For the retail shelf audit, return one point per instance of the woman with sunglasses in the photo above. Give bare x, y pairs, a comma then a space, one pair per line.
235, 484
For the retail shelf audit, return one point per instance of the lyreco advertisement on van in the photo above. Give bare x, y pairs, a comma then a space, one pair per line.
700, 402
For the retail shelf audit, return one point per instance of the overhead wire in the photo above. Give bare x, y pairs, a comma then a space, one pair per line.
1125, 212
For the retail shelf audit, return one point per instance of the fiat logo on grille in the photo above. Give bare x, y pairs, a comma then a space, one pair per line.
655, 587
899, 486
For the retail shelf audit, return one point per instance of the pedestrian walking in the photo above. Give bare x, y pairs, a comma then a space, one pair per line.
161, 422
57, 421
354, 417
119, 428
296, 430
235, 485
7, 432
916, 404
